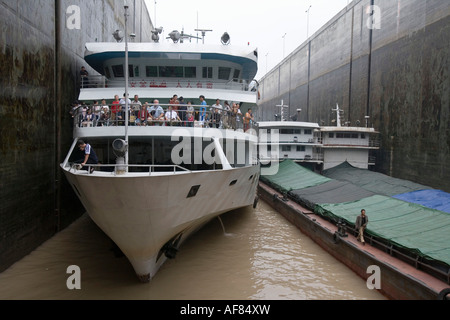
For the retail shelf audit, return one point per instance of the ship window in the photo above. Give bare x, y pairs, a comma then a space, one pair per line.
193, 191
207, 72
190, 72
233, 182
134, 70
354, 135
151, 71
107, 73
118, 71
224, 73
131, 71
331, 135
285, 148
308, 131
301, 148
236, 74
297, 131
363, 136
171, 72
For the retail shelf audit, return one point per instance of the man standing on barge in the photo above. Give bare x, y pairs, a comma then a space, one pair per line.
361, 223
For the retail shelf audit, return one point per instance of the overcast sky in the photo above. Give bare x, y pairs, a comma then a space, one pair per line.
262, 23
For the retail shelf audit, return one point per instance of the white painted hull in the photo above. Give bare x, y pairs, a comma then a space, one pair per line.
142, 212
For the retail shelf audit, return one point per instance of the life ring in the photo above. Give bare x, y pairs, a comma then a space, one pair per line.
443, 294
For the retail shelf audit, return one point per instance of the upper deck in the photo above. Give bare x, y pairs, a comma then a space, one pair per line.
160, 69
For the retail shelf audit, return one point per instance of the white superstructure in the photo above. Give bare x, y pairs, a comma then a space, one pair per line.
320, 147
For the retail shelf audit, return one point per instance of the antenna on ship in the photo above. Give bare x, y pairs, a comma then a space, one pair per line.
338, 115
203, 31
283, 112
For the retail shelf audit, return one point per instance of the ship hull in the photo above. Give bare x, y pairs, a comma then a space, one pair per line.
148, 216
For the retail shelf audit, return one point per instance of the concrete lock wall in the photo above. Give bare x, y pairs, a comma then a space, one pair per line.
41, 53
393, 68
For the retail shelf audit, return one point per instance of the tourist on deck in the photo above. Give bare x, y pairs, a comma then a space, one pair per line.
84, 78
96, 110
115, 110
88, 118
226, 115
216, 110
75, 111
361, 223
135, 105
104, 114
248, 119
172, 117
142, 116
182, 110
156, 113
190, 114
235, 116
123, 107
173, 99
202, 113
90, 156
190, 119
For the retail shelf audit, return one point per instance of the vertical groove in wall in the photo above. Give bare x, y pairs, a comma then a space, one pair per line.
57, 112
309, 78
369, 71
351, 67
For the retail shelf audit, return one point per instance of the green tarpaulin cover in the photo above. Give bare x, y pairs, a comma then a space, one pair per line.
291, 175
373, 181
412, 226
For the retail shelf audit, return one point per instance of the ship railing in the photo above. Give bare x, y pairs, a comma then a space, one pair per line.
188, 115
93, 82
103, 82
120, 169
374, 142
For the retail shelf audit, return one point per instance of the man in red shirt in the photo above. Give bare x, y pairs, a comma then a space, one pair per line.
115, 110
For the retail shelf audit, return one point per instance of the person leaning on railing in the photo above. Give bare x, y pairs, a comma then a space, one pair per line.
104, 114
248, 118
115, 110
172, 117
155, 113
142, 116
84, 77
226, 115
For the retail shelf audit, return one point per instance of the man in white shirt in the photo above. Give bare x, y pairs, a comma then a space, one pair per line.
216, 110
122, 103
171, 116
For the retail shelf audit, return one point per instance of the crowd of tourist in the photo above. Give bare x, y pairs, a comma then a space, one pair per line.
176, 112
